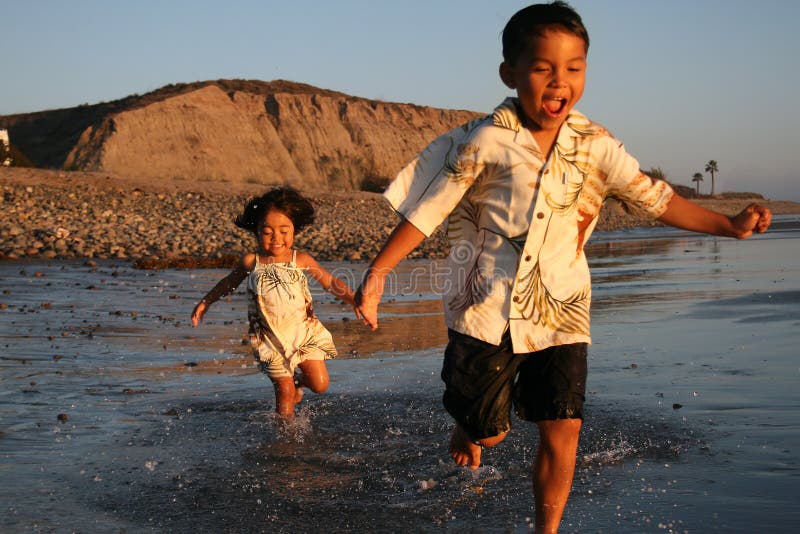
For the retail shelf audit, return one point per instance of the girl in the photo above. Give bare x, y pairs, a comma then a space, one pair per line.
284, 332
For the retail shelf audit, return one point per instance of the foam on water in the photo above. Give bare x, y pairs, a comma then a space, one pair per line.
348, 462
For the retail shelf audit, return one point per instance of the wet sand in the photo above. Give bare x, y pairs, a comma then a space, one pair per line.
692, 413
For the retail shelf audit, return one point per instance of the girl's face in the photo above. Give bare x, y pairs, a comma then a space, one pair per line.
275, 234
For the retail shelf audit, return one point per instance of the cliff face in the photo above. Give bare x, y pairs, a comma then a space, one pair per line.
251, 132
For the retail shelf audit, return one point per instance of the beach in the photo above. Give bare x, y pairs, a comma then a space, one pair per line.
177, 223
118, 416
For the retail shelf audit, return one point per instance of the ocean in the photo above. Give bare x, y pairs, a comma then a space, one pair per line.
117, 415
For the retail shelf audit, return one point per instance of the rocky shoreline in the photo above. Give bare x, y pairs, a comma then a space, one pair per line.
59, 215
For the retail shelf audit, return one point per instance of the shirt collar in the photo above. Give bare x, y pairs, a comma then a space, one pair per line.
506, 115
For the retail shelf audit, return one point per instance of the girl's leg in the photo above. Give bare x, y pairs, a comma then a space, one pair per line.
315, 375
285, 396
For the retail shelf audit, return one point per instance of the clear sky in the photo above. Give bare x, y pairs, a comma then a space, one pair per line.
680, 82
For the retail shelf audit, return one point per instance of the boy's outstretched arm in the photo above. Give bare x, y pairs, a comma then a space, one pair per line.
682, 213
405, 238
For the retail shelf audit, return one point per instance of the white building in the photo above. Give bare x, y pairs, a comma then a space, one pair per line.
5, 143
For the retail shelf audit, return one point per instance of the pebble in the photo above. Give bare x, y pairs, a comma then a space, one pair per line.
47, 221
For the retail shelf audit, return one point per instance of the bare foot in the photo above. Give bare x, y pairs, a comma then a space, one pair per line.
298, 388
463, 450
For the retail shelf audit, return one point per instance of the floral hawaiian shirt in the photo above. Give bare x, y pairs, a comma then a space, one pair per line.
517, 222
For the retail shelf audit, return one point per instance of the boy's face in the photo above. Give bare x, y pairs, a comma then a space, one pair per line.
549, 77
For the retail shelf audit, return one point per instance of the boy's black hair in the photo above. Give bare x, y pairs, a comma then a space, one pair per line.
287, 200
533, 20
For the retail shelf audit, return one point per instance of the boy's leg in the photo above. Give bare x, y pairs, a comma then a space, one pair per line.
466, 452
554, 470
550, 390
478, 377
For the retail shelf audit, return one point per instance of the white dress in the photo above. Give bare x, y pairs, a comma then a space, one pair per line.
284, 331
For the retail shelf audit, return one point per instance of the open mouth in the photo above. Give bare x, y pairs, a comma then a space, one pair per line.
554, 107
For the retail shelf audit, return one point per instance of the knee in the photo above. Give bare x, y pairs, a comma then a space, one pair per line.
314, 376
319, 387
319, 384
560, 434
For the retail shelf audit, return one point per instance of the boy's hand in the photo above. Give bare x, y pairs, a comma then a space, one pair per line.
753, 218
403, 239
199, 312
367, 299
367, 308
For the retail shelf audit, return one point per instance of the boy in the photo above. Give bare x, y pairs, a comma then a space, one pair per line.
521, 191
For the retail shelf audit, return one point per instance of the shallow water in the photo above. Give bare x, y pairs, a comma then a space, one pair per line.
692, 413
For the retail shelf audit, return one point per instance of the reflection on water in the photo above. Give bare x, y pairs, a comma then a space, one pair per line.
753, 308
116, 415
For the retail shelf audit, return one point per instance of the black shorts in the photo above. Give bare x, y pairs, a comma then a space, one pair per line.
483, 381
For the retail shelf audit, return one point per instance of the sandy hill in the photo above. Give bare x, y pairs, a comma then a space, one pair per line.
235, 131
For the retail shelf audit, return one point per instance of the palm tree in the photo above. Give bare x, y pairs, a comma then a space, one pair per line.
697, 178
657, 173
712, 168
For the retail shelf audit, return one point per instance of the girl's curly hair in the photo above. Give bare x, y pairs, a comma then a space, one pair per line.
284, 199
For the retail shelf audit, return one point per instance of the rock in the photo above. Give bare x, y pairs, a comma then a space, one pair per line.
165, 229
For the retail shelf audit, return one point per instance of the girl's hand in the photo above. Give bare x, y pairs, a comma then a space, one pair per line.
226, 286
199, 312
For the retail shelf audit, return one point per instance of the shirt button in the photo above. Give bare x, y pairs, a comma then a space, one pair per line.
540, 215
528, 258
516, 298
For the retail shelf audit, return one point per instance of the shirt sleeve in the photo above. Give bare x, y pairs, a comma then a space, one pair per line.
641, 194
429, 188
